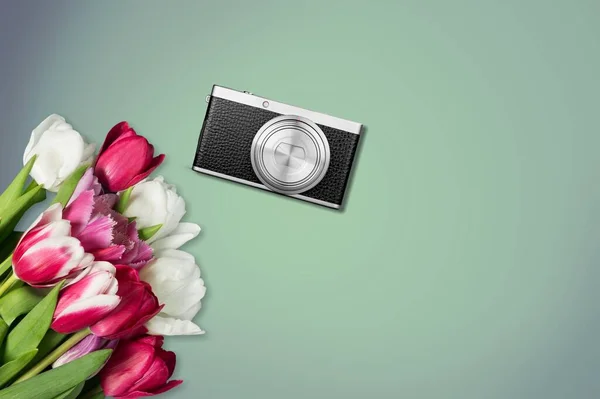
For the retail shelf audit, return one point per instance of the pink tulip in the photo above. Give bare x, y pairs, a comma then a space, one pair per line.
138, 305
125, 158
47, 254
104, 232
139, 368
87, 182
87, 301
89, 344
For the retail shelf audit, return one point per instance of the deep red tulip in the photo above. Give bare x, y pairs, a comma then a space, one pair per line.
139, 368
138, 305
125, 158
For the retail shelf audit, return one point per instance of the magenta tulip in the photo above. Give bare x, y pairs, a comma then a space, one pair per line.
125, 158
88, 182
139, 368
47, 254
138, 305
87, 301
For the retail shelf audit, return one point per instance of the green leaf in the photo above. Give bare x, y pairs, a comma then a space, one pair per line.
50, 341
41, 194
15, 188
54, 382
67, 187
9, 244
99, 395
18, 302
146, 233
16, 285
3, 330
124, 197
71, 393
12, 214
11, 369
31, 329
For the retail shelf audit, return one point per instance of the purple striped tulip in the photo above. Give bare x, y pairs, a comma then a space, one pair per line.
102, 231
89, 344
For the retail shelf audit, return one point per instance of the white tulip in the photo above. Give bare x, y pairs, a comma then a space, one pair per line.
60, 150
175, 280
155, 202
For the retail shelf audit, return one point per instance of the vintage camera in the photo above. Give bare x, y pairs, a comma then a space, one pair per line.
278, 147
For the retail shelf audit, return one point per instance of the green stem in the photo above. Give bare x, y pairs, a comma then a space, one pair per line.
8, 283
55, 354
92, 392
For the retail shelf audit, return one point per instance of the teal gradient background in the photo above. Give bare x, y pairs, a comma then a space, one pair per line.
465, 264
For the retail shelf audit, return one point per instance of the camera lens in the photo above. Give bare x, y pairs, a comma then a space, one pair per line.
290, 154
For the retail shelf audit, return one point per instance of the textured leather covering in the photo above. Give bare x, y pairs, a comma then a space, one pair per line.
226, 139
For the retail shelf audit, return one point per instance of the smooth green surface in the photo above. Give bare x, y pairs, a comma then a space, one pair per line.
466, 262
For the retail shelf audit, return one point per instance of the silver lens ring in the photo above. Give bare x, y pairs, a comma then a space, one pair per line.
290, 154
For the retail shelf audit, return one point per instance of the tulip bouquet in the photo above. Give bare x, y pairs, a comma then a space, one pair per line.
90, 289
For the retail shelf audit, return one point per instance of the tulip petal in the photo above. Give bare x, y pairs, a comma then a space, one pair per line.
80, 212
84, 313
183, 233
125, 367
48, 260
119, 320
60, 228
36, 134
52, 214
127, 273
110, 254
155, 163
98, 234
161, 325
154, 377
121, 323
60, 150
89, 344
175, 280
96, 282
122, 161
138, 256
148, 204
169, 358
180, 296
155, 341
190, 313
80, 271
114, 133
87, 182
166, 387
175, 210
88, 154
99, 266
105, 203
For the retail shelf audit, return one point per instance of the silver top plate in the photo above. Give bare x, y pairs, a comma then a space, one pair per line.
285, 109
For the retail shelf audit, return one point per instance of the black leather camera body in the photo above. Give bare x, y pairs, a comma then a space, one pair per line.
277, 147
